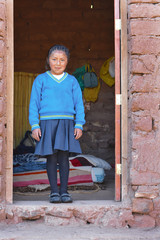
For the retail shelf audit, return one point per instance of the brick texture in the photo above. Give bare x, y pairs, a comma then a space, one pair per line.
150, 192
1, 68
144, 42
2, 97
143, 206
2, 29
1, 88
2, 11
143, 221
143, 123
1, 165
143, 1
145, 45
142, 84
145, 27
143, 64
71, 23
1, 107
145, 101
144, 10
1, 47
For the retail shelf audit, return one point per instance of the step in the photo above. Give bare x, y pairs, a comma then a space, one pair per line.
100, 213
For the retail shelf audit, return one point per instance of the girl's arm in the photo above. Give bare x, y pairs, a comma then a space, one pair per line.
78, 104
34, 105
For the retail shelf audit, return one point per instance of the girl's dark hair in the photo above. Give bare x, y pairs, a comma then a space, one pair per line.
54, 48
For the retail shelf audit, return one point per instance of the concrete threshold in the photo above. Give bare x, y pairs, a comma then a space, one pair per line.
74, 203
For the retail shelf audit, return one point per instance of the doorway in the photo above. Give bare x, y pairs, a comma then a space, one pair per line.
90, 38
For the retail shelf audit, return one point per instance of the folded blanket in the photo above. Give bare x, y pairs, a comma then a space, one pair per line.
29, 162
76, 176
89, 160
30, 170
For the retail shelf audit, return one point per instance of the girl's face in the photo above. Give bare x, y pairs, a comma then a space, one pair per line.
58, 62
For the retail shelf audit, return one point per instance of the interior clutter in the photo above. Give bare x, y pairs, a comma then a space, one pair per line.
86, 28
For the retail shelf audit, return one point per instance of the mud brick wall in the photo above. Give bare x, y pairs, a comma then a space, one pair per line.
89, 34
144, 108
2, 98
39, 24
98, 135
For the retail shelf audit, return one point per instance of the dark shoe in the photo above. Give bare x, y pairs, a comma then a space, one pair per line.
66, 198
55, 198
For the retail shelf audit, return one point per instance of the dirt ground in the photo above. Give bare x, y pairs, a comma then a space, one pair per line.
101, 191
41, 231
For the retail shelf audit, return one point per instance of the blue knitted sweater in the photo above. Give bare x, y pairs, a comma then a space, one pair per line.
56, 99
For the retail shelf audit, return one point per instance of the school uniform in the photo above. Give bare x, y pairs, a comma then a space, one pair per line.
59, 104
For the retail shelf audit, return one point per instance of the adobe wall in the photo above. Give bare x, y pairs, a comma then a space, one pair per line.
144, 109
2, 99
39, 24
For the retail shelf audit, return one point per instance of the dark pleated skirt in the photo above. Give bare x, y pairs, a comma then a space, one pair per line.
57, 134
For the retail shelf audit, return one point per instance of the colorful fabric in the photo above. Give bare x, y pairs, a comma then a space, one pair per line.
29, 170
22, 81
76, 176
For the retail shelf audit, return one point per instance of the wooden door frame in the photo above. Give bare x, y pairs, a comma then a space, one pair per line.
10, 101
121, 100
117, 42
124, 107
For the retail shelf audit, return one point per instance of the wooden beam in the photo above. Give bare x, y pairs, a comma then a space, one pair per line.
124, 91
117, 105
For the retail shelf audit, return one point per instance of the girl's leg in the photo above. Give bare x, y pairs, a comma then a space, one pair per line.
52, 172
63, 160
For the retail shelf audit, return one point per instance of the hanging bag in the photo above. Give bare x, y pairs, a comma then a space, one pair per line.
91, 94
90, 79
105, 71
78, 74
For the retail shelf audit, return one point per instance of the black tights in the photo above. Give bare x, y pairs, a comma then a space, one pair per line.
61, 157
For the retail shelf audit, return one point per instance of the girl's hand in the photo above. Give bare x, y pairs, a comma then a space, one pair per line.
36, 134
77, 133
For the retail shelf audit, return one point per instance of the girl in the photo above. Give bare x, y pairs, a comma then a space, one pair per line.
57, 99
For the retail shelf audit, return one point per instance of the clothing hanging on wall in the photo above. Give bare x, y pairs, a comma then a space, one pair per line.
107, 72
